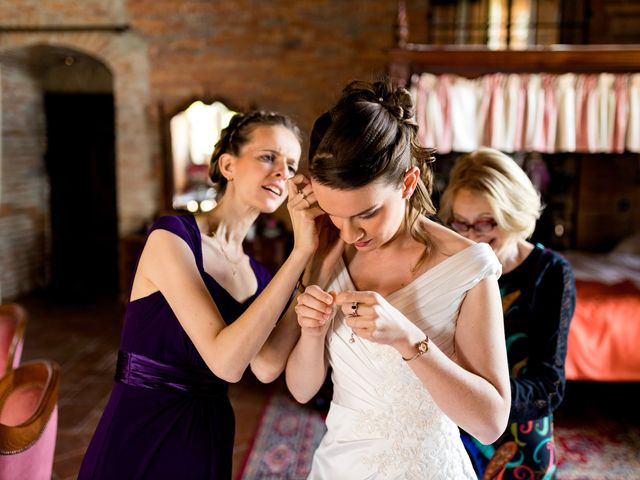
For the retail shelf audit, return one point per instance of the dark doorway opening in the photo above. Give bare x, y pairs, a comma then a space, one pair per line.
80, 161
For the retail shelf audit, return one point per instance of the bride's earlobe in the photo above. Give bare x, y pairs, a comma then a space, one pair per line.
410, 182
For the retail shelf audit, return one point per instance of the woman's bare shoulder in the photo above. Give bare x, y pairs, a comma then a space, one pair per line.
445, 240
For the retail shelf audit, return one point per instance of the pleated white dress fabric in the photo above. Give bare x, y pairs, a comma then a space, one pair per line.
382, 423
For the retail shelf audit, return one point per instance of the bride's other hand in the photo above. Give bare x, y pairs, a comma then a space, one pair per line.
315, 309
371, 317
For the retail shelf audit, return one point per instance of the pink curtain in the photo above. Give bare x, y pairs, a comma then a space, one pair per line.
550, 114
463, 108
633, 127
621, 112
566, 130
529, 112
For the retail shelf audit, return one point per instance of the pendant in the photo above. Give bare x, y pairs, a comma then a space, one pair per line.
352, 339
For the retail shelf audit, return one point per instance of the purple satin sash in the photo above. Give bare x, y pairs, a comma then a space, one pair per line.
140, 371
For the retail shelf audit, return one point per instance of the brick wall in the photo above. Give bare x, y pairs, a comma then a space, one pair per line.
284, 55
281, 54
62, 12
24, 187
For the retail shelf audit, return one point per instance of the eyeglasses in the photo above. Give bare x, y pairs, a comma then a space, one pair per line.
481, 226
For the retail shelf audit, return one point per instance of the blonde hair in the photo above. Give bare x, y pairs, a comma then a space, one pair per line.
488, 172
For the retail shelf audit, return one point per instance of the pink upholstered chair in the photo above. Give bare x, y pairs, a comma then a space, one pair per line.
13, 321
29, 420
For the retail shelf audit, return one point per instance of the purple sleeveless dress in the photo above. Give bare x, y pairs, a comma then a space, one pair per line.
169, 416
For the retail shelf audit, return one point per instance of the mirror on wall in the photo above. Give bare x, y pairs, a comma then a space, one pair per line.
194, 132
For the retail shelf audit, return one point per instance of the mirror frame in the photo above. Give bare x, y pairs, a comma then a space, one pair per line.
166, 114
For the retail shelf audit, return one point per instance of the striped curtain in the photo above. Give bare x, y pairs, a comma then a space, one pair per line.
544, 113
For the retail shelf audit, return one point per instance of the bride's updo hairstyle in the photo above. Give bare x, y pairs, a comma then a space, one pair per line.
370, 135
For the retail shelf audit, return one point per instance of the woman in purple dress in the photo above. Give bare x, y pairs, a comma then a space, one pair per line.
201, 311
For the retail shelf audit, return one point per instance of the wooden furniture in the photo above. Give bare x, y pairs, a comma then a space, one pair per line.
29, 420
13, 322
473, 61
408, 58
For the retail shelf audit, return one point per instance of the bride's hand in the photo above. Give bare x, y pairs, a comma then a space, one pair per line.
315, 309
303, 210
375, 319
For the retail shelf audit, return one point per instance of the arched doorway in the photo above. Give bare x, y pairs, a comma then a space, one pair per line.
66, 122
24, 208
80, 161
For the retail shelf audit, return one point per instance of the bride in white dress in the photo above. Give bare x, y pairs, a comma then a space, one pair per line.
412, 328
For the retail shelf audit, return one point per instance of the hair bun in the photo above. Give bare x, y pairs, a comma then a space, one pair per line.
397, 100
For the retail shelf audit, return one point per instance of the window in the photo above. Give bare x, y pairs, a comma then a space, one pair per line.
194, 133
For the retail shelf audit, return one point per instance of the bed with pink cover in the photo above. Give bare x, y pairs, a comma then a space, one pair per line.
604, 337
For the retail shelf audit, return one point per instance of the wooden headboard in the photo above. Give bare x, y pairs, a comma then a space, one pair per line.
407, 58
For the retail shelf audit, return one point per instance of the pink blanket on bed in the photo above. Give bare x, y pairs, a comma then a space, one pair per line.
604, 336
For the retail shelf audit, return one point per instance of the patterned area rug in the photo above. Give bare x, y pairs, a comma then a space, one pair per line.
287, 436
606, 449
289, 433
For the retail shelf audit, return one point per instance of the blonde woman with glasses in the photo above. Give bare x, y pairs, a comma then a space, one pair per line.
490, 199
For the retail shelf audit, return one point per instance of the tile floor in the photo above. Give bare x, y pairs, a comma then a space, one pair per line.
84, 339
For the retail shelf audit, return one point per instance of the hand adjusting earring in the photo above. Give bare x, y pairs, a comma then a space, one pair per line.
354, 313
304, 197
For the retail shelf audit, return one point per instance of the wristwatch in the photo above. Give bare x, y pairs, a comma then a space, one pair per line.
422, 346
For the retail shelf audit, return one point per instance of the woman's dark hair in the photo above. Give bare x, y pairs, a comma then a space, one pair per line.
238, 133
371, 135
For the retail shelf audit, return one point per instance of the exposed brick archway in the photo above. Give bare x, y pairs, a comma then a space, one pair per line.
125, 55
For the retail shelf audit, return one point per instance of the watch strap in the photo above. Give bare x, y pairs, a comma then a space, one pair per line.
422, 346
